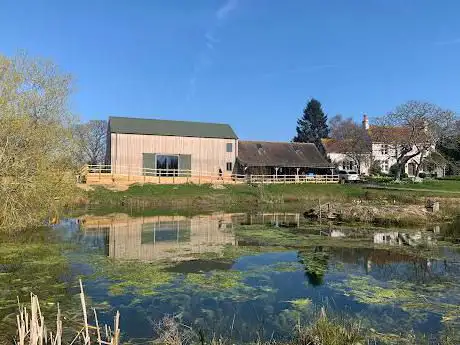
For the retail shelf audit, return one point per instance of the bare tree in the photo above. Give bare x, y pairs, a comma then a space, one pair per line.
352, 140
91, 140
413, 129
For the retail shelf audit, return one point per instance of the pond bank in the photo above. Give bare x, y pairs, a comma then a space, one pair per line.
353, 203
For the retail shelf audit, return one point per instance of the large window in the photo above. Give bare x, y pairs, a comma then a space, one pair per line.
167, 165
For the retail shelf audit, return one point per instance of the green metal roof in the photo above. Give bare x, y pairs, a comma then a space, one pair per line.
130, 125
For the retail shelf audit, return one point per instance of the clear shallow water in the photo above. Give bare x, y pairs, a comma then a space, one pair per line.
201, 270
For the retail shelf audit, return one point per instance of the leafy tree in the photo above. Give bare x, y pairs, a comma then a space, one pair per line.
312, 126
36, 147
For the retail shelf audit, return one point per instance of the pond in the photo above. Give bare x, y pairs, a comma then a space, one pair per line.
241, 276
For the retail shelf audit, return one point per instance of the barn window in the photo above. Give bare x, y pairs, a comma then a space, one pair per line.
229, 166
167, 165
229, 147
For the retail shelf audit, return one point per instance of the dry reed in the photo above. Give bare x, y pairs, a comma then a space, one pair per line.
32, 330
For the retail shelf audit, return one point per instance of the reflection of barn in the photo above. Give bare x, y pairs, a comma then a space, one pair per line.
161, 237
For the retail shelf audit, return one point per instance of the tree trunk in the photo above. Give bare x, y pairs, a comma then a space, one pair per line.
398, 172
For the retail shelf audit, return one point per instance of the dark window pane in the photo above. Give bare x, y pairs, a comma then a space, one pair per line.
229, 166
229, 147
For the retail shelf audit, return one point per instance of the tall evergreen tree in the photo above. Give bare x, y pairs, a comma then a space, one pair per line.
312, 126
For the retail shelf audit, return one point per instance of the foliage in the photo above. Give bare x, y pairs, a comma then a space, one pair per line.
312, 126
394, 170
35, 142
375, 168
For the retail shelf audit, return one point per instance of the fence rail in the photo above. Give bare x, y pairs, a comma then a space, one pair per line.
127, 174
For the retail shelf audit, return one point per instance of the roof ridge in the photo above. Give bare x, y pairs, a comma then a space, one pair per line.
274, 142
157, 119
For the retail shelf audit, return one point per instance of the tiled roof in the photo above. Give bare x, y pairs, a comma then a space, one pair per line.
281, 154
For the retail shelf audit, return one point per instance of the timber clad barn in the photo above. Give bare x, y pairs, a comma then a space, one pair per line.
163, 151
170, 148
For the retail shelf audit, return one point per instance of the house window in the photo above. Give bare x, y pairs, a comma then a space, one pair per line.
384, 149
348, 165
229, 147
385, 166
167, 165
229, 166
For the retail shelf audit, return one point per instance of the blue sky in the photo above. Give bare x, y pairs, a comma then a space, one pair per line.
250, 63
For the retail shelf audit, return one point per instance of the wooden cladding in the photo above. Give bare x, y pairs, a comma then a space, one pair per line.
203, 155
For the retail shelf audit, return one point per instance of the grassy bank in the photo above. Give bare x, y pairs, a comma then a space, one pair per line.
356, 202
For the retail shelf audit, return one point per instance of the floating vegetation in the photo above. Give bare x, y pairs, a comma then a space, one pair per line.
300, 303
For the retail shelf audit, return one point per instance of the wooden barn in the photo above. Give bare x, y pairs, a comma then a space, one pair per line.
170, 148
280, 158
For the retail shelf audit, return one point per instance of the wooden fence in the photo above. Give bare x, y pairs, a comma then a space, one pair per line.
104, 174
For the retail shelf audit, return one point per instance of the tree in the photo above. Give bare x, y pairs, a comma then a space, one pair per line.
91, 142
413, 129
352, 140
36, 147
312, 126
449, 147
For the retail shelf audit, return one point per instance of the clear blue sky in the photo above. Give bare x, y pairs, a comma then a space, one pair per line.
250, 63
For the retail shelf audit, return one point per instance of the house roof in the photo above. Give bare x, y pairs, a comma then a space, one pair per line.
388, 134
281, 154
340, 146
131, 125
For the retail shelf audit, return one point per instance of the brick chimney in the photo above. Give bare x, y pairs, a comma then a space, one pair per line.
365, 122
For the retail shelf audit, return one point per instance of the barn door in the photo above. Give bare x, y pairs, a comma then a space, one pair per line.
149, 164
185, 165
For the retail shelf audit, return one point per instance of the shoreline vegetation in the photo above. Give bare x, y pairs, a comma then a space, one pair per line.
323, 329
348, 204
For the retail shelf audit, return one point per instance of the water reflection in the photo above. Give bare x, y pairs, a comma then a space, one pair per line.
380, 278
397, 238
161, 237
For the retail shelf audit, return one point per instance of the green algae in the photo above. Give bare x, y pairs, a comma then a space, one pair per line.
367, 290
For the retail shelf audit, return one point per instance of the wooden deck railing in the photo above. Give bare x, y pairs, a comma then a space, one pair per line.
126, 174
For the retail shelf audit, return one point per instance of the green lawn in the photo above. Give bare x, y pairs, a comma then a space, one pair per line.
438, 185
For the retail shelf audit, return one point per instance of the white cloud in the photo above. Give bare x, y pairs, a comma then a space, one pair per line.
211, 40
226, 8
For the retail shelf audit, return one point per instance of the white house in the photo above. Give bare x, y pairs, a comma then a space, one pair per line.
381, 151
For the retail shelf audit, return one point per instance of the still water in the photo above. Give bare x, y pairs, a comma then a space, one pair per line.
210, 274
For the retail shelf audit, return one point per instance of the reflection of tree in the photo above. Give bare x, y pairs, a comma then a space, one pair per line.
451, 232
315, 263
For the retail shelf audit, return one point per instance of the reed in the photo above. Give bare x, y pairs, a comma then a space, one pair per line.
32, 329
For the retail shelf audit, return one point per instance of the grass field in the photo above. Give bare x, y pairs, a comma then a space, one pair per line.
432, 185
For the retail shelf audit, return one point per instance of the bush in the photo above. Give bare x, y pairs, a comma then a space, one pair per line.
422, 175
394, 170
375, 168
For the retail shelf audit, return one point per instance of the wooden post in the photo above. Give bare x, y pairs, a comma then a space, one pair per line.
319, 213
